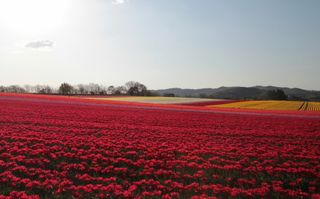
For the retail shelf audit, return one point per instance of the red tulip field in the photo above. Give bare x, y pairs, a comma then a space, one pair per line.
55, 147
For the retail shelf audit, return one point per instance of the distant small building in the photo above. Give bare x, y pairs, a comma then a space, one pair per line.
169, 95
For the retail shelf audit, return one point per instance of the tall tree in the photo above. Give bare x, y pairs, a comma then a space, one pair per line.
136, 89
65, 89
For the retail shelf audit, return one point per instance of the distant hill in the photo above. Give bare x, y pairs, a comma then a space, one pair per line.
256, 92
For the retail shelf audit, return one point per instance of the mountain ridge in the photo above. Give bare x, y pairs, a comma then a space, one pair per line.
241, 92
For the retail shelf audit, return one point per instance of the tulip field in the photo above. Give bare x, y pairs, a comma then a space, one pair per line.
160, 100
271, 105
311, 106
64, 147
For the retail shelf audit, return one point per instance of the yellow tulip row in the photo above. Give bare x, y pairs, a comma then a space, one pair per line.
313, 106
272, 105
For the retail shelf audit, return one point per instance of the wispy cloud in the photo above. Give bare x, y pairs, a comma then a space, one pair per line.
117, 2
40, 44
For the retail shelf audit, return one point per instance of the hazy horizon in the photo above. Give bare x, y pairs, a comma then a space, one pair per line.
162, 44
56, 86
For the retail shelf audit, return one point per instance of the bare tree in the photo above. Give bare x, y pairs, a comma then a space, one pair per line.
95, 89
111, 90
120, 90
46, 90
81, 89
15, 89
2, 89
37, 88
29, 88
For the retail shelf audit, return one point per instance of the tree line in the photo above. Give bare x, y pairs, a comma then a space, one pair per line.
132, 88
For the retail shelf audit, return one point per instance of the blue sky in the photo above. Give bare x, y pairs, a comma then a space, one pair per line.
161, 43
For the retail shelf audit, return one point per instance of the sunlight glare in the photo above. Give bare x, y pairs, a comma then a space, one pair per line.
32, 16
